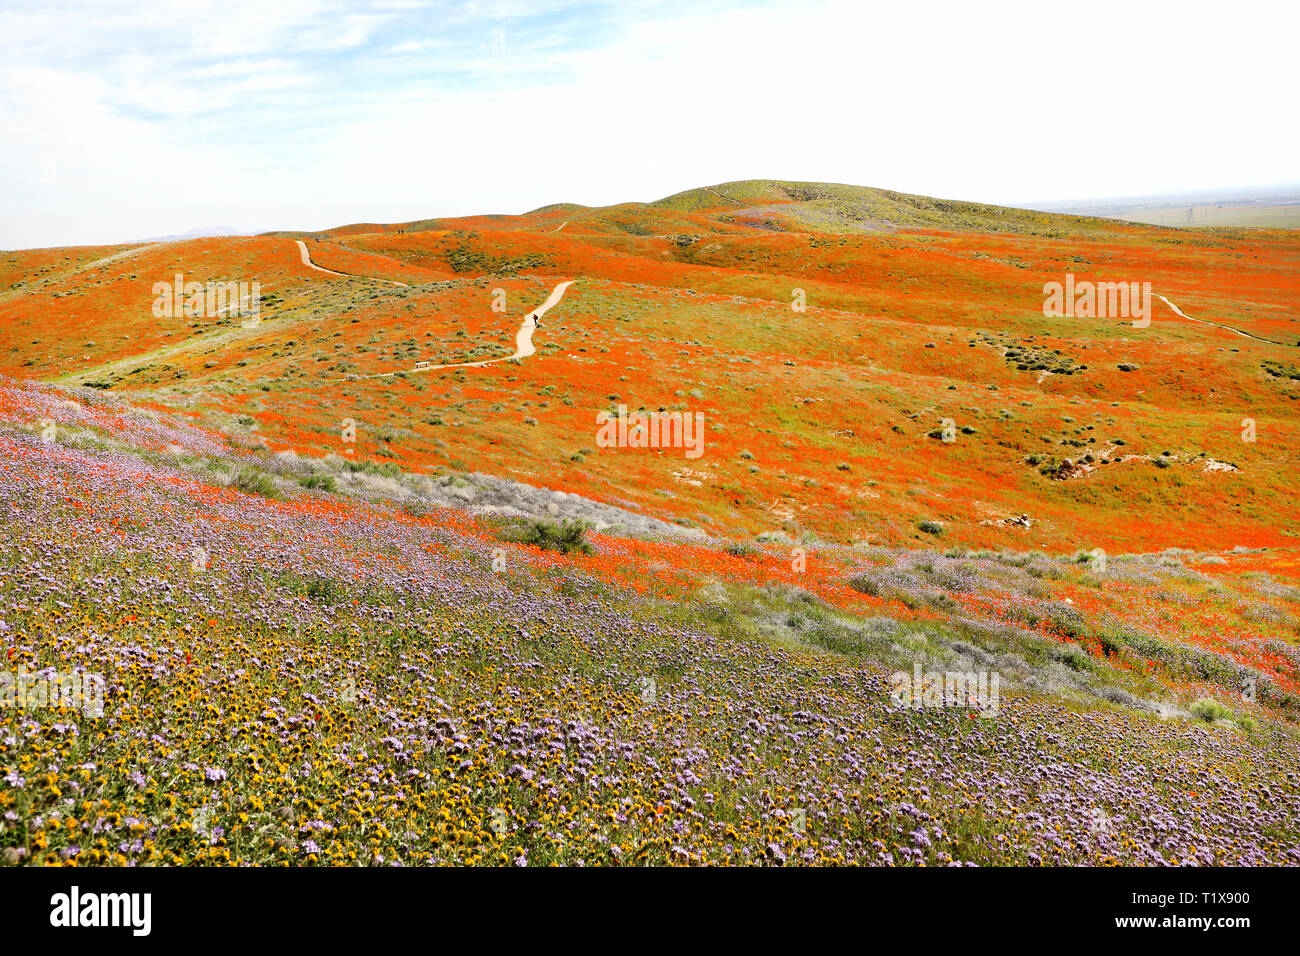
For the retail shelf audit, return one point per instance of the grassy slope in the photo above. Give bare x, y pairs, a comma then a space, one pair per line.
823, 415
380, 691
358, 675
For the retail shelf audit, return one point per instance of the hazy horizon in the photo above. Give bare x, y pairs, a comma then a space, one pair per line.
1226, 194
308, 115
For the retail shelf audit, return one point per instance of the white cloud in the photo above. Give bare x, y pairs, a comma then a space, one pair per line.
304, 115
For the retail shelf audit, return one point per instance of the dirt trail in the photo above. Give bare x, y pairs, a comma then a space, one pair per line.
46, 281
727, 198
523, 339
124, 254
306, 260
1229, 328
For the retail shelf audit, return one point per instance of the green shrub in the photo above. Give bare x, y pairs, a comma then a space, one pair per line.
565, 537
323, 482
1209, 710
931, 527
255, 482
1074, 658
941, 601
864, 584
387, 468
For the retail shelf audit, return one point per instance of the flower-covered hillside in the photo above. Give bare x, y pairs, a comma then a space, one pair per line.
296, 675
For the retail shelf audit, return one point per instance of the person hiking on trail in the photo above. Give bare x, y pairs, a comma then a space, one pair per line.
537, 323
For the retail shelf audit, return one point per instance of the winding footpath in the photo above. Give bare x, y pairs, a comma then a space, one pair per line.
1229, 328
523, 339
727, 198
306, 260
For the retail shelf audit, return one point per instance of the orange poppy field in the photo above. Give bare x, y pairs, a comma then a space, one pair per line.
367, 576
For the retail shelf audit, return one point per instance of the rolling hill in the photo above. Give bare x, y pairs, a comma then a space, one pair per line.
331, 538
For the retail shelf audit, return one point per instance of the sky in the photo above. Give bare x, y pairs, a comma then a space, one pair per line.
129, 120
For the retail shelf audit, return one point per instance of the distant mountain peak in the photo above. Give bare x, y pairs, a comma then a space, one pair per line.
203, 232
